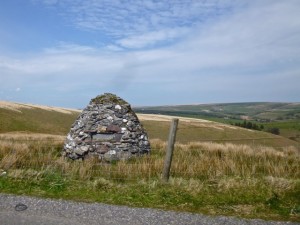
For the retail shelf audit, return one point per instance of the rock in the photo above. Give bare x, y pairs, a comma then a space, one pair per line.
102, 149
110, 118
124, 155
3, 173
84, 148
135, 150
101, 129
113, 128
118, 107
110, 156
79, 151
108, 129
118, 137
118, 122
109, 106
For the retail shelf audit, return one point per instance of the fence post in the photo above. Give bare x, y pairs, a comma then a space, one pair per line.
170, 148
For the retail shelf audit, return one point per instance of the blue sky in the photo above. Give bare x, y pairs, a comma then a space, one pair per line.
149, 52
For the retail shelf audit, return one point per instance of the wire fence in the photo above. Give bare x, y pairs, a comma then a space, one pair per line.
47, 160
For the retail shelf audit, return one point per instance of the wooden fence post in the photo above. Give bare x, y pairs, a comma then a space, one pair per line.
170, 148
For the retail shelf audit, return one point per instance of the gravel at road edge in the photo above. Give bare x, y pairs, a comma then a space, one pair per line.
47, 211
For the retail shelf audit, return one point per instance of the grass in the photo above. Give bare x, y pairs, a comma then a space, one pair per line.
285, 116
212, 178
262, 110
36, 120
39, 120
289, 129
193, 132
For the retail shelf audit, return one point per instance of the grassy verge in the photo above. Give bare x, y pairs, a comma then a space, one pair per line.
211, 178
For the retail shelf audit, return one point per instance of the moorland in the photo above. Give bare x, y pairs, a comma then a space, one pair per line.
218, 168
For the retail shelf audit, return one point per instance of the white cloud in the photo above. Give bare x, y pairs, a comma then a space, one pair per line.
129, 22
152, 38
64, 47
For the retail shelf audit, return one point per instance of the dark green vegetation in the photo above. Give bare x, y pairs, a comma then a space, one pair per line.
284, 117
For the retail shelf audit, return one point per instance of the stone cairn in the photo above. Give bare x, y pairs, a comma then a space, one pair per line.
108, 129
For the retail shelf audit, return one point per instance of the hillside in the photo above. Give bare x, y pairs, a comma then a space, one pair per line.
16, 117
191, 130
284, 116
35, 118
261, 111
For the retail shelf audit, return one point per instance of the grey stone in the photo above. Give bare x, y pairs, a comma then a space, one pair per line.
79, 151
84, 148
118, 107
111, 156
124, 155
103, 137
101, 129
134, 150
113, 128
102, 149
118, 137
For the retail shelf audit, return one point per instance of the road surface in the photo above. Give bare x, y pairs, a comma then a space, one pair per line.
20, 210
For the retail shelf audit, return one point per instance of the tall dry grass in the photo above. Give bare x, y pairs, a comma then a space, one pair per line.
197, 160
214, 160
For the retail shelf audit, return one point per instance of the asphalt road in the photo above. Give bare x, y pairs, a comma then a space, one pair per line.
19, 210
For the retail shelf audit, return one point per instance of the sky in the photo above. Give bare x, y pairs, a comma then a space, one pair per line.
149, 52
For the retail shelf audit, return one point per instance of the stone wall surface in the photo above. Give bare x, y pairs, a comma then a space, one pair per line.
107, 128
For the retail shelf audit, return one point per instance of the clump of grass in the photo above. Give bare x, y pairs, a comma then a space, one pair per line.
102, 183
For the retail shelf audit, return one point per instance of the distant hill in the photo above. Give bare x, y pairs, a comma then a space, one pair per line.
284, 116
18, 117
260, 111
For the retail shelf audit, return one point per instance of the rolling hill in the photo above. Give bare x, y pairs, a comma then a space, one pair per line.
18, 117
35, 118
284, 116
260, 111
